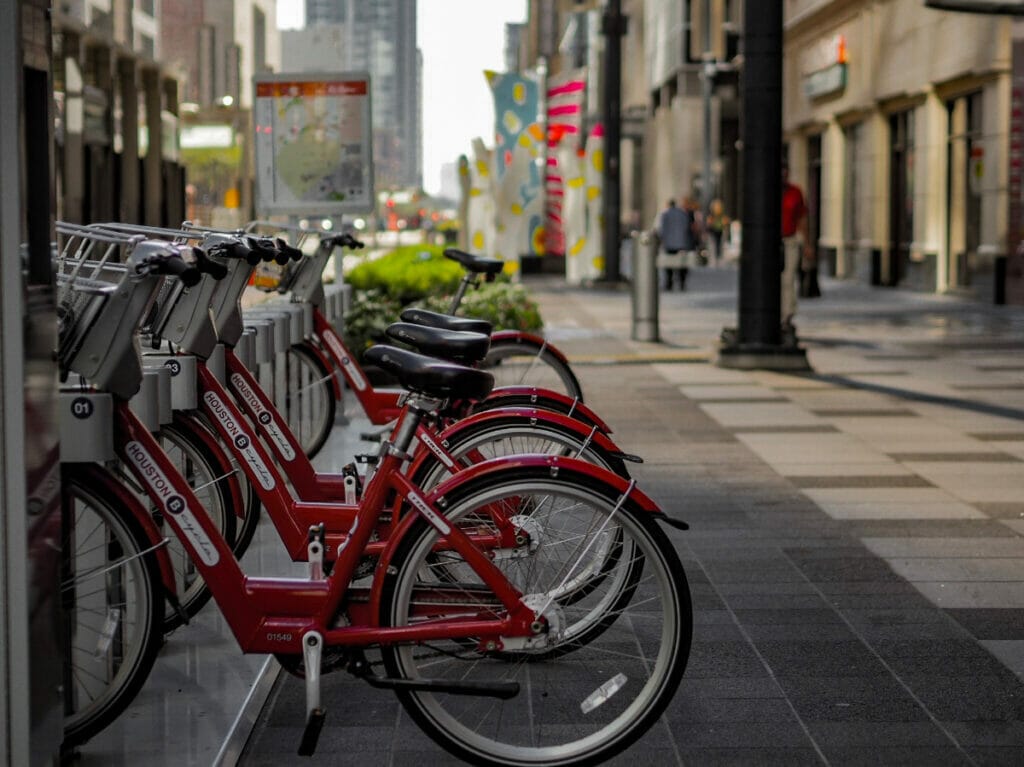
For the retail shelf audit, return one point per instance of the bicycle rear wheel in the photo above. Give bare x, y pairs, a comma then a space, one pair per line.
310, 403
475, 442
615, 661
520, 361
112, 599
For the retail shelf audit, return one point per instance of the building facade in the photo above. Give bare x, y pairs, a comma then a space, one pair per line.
380, 38
896, 120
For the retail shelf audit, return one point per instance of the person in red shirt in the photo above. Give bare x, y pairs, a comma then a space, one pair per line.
796, 245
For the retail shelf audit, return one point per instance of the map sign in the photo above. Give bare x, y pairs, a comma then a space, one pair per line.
313, 144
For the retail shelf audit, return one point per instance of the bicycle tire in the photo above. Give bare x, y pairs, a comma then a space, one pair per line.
311, 405
518, 361
515, 435
207, 471
91, 497
656, 621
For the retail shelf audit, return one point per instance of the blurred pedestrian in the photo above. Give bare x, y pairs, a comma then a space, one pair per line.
796, 245
674, 228
717, 224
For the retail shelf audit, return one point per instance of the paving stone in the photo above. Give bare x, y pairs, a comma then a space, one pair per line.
990, 623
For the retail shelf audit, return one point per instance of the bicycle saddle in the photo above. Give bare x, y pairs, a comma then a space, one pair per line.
427, 375
451, 345
446, 321
477, 264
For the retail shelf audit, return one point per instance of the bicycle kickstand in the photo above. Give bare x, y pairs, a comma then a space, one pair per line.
312, 651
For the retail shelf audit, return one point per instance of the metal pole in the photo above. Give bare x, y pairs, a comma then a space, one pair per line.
613, 28
761, 132
707, 78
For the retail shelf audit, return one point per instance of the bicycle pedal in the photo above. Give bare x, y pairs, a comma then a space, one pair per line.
311, 733
368, 458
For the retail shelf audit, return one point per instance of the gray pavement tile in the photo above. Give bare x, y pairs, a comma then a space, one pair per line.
810, 428
775, 601
710, 660
996, 756
736, 757
1001, 510
718, 632
801, 632
867, 587
839, 412
846, 569
794, 587
957, 657
730, 735
820, 658
955, 457
990, 623
899, 756
639, 755
858, 480
851, 699
879, 601
995, 698
739, 710
830, 734
778, 617
998, 436
989, 733
929, 528
729, 687
776, 570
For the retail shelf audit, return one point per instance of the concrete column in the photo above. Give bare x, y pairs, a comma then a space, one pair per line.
930, 186
74, 153
877, 133
130, 180
152, 188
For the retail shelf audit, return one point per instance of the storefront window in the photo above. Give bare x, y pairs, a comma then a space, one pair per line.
855, 227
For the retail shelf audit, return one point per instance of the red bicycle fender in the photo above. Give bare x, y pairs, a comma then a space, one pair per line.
100, 478
570, 404
596, 436
188, 420
492, 471
317, 352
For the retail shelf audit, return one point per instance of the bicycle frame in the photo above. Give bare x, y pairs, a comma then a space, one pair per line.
272, 615
381, 405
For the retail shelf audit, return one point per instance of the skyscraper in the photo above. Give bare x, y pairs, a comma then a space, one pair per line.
381, 39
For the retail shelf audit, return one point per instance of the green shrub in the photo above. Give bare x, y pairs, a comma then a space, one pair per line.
505, 305
408, 273
370, 313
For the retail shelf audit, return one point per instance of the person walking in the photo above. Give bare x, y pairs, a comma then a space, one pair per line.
796, 245
674, 230
717, 225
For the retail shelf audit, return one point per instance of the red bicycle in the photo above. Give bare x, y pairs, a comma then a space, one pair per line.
536, 656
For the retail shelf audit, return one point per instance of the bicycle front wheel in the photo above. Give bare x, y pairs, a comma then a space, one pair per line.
617, 654
112, 599
310, 403
518, 361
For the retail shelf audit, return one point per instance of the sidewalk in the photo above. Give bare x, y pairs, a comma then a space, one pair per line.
855, 554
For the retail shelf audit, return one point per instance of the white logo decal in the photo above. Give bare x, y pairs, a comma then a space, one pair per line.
346, 362
242, 440
436, 449
432, 517
265, 417
174, 504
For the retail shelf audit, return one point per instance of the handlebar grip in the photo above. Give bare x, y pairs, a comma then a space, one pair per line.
239, 249
207, 265
263, 249
293, 254
177, 267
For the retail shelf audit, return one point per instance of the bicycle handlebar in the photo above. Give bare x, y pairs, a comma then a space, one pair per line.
287, 252
171, 264
345, 240
207, 265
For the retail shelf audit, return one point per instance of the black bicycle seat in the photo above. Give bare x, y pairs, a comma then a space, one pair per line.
476, 264
451, 345
446, 321
430, 376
